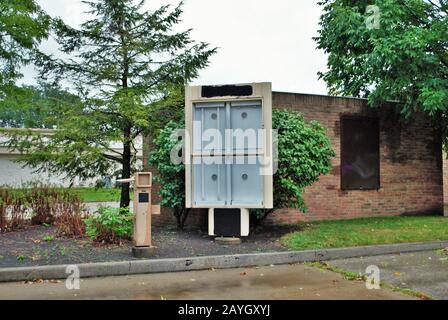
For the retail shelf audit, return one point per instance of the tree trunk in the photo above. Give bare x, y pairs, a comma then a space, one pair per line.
179, 220
184, 217
124, 200
266, 214
181, 217
126, 169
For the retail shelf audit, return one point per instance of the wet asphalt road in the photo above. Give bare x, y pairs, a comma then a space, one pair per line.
291, 282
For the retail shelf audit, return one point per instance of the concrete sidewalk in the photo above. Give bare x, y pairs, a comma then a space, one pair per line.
289, 282
425, 271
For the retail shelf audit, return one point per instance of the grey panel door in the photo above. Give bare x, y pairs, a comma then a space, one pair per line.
209, 127
247, 183
230, 180
210, 181
246, 120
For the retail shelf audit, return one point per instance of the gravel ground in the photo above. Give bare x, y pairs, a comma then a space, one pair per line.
28, 248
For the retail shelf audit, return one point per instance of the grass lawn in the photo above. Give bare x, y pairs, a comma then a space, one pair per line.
99, 195
368, 231
92, 194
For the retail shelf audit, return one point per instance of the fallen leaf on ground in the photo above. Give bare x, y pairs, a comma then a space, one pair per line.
39, 281
55, 281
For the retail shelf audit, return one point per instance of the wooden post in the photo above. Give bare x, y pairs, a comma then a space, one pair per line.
143, 211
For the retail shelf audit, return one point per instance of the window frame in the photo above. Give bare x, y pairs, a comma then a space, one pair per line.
344, 117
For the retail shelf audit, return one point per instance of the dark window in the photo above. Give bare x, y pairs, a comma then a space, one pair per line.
360, 166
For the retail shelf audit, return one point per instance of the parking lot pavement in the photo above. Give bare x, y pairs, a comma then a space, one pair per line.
425, 271
289, 282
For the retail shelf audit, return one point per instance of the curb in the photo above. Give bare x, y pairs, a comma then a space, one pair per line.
216, 262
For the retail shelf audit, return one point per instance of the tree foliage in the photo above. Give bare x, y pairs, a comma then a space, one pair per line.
35, 107
403, 58
126, 65
23, 25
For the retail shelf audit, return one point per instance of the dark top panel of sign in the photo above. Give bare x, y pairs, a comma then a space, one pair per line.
143, 197
229, 90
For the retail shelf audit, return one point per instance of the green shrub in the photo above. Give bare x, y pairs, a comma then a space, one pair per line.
48, 238
110, 225
304, 154
171, 176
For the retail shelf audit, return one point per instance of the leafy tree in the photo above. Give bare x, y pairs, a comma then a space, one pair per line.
304, 154
35, 107
125, 65
402, 56
169, 108
23, 25
171, 176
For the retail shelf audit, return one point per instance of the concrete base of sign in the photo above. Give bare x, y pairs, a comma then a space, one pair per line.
143, 252
228, 241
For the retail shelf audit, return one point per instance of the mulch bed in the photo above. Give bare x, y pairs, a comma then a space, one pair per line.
27, 247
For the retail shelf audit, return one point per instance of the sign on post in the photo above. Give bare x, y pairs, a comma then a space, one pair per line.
229, 156
143, 211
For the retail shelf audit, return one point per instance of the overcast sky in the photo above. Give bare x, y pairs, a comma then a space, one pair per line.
258, 40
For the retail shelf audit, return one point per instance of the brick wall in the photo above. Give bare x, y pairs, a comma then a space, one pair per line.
410, 164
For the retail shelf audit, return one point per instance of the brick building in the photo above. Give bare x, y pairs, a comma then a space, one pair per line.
383, 165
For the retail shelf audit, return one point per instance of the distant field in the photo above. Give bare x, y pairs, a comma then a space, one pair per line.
86, 194
99, 195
